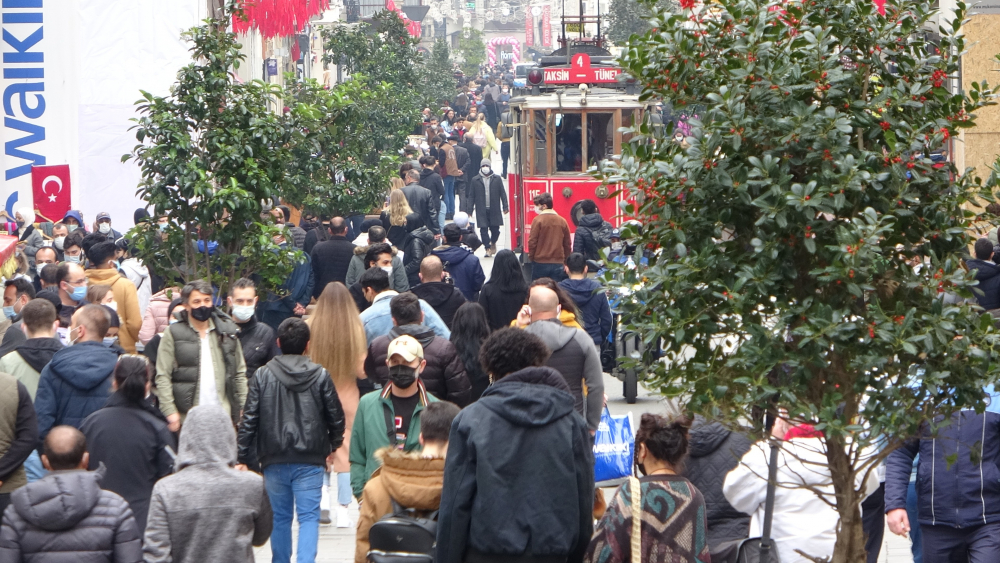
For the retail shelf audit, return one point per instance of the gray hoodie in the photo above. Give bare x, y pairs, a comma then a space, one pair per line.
575, 357
207, 511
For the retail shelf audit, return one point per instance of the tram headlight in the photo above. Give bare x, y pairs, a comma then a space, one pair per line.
535, 76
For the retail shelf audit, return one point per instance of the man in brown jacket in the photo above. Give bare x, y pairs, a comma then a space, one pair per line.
413, 480
549, 241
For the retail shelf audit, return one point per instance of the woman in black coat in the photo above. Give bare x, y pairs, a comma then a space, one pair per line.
130, 437
489, 218
505, 292
417, 244
469, 329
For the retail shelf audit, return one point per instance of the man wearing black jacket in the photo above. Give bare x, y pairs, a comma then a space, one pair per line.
519, 476
294, 415
331, 259
421, 201
430, 179
256, 338
470, 170
444, 297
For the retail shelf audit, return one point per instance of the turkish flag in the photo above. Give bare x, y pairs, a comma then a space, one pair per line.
51, 190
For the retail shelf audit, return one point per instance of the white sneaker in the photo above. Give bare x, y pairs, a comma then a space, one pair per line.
343, 518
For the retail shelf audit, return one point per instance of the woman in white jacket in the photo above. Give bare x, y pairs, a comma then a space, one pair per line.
802, 520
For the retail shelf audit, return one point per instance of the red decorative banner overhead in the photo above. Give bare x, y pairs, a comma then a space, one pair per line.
529, 29
412, 27
277, 18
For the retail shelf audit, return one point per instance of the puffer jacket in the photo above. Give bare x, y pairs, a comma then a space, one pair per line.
953, 488
576, 358
292, 413
416, 245
66, 516
593, 303
519, 477
988, 291
397, 281
464, 268
155, 320
713, 452
444, 376
444, 297
259, 344
75, 384
591, 235
207, 510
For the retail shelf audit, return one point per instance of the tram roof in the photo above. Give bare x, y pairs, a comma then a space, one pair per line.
572, 97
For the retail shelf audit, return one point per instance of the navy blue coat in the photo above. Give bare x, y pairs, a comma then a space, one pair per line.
464, 268
590, 298
299, 286
75, 384
988, 291
960, 493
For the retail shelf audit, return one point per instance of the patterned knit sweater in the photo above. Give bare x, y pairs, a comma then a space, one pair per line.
674, 528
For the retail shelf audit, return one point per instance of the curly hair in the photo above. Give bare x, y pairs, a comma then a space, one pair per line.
666, 440
510, 349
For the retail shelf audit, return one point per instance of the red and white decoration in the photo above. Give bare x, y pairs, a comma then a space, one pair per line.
278, 18
491, 48
411, 26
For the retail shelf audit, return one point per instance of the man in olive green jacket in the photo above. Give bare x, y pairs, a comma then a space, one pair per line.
200, 360
398, 405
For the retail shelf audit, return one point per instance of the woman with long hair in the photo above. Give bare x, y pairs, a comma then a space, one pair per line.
505, 292
482, 135
130, 437
337, 342
570, 315
671, 511
394, 218
469, 330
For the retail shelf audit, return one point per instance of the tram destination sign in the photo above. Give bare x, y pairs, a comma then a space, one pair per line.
580, 72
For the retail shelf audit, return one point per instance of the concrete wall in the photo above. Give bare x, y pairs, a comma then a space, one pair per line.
982, 143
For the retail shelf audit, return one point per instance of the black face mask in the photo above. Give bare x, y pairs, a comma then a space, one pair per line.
642, 467
402, 376
201, 313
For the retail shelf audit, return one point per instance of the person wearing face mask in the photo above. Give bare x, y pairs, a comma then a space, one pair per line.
73, 248
377, 317
72, 291
489, 203
17, 292
77, 381
461, 264
668, 503
104, 270
256, 338
29, 238
573, 352
199, 360
46, 255
443, 374
388, 261
519, 476
59, 234
73, 221
390, 418
114, 328
103, 226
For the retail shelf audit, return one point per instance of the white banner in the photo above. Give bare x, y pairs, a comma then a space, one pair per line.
72, 70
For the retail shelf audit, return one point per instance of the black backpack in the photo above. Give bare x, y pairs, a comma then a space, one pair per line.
403, 536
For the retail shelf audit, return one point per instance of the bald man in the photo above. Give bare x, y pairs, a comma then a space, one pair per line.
66, 513
573, 352
444, 297
332, 258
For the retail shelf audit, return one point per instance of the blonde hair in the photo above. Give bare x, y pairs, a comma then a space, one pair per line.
337, 338
395, 183
399, 208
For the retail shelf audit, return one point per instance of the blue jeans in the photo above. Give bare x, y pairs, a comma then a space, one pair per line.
441, 214
449, 195
540, 270
33, 467
298, 487
344, 492
911, 513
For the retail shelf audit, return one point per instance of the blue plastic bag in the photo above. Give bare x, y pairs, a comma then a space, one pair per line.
613, 447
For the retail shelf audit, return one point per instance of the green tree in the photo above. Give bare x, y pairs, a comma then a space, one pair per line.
472, 50
439, 78
210, 153
627, 17
805, 237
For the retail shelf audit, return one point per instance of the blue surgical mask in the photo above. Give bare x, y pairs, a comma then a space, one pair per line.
243, 313
9, 312
79, 294
163, 226
71, 228
73, 259
110, 341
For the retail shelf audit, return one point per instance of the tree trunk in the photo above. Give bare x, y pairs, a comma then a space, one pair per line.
850, 546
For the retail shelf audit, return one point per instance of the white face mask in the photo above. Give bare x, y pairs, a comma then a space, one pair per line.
242, 313
386, 269
113, 305
58, 242
105, 228
71, 228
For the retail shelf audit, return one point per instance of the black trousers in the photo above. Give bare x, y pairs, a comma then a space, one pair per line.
491, 234
873, 522
505, 155
977, 544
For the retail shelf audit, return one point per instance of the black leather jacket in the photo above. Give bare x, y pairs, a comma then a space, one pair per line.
292, 412
258, 343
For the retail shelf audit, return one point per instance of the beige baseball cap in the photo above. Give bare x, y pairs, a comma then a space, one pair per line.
406, 347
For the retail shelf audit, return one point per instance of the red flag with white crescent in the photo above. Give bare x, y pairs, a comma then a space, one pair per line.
51, 190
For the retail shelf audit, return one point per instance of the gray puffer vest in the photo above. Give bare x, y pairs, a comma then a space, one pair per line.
187, 355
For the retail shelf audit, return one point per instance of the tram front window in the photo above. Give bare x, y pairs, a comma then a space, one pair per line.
600, 137
569, 142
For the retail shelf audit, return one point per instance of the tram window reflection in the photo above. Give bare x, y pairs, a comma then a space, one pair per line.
569, 142
600, 137
541, 157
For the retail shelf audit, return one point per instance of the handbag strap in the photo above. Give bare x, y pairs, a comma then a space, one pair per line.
636, 489
772, 483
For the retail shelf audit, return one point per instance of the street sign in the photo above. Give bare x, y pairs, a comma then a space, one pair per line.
580, 72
